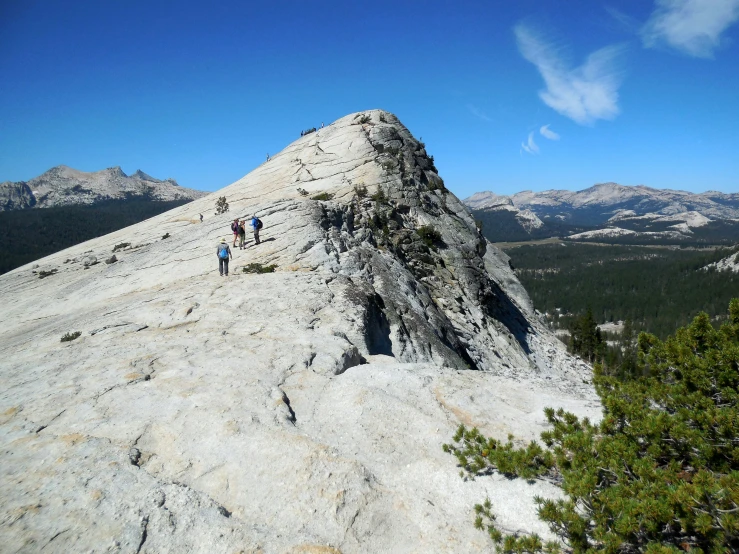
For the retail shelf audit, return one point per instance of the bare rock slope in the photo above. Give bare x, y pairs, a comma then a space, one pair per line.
301, 410
65, 186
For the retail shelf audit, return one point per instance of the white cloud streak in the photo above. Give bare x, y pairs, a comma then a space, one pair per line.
474, 110
693, 27
585, 93
547, 133
530, 146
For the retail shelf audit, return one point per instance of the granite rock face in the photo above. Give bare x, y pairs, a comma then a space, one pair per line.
301, 409
65, 186
16, 196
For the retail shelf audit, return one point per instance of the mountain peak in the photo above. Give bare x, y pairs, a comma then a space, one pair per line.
65, 186
116, 171
138, 174
336, 357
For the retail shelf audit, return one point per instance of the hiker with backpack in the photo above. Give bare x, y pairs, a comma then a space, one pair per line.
242, 234
256, 224
235, 230
224, 254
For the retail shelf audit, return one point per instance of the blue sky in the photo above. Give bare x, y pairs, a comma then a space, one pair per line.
636, 92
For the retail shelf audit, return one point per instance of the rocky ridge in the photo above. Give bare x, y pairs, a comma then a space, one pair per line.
607, 198
490, 202
65, 186
611, 210
729, 263
299, 410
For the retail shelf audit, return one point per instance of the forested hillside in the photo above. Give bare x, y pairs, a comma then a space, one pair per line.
27, 235
659, 289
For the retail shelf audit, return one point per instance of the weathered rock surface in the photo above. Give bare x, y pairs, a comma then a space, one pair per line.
729, 263
64, 186
301, 410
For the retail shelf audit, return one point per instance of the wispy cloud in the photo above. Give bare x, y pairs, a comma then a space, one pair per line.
530, 146
547, 133
625, 22
585, 93
691, 26
477, 112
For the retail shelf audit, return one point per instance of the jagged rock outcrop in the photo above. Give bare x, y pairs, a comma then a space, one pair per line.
64, 186
16, 196
298, 410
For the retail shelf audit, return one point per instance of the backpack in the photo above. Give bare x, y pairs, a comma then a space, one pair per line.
259, 223
234, 227
223, 252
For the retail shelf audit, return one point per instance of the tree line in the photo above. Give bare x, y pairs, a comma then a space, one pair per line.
657, 288
27, 235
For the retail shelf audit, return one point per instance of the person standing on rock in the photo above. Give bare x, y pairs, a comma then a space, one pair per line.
224, 254
256, 225
201, 218
242, 234
235, 230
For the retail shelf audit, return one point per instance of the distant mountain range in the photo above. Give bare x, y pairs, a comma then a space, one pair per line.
611, 212
65, 186
77, 206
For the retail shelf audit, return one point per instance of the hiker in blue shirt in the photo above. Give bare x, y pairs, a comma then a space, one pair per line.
256, 225
224, 254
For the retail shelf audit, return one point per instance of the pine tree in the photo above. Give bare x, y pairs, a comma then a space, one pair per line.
221, 205
659, 473
627, 344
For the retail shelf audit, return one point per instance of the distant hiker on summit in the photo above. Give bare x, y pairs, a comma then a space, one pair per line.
224, 254
201, 218
256, 224
235, 230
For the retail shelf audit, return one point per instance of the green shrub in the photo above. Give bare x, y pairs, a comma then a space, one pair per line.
659, 473
379, 196
362, 118
68, 337
221, 205
382, 118
43, 273
436, 184
166, 236
323, 196
360, 190
379, 222
121, 246
429, 235
258, 268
